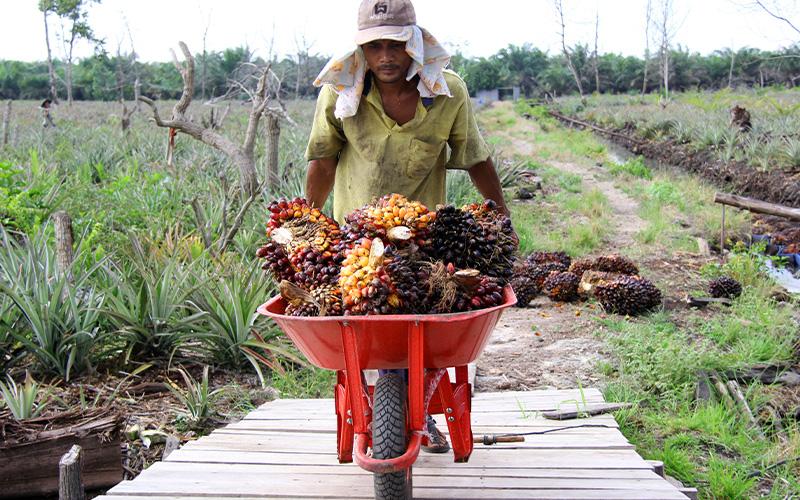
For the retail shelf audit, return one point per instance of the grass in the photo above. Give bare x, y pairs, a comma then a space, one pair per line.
655, 358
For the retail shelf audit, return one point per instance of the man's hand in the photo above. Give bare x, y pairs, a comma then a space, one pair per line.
319, 180
484, 177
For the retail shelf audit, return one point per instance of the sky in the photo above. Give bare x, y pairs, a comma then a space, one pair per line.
476, 28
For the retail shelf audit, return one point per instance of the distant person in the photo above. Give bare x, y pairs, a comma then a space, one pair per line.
391, 119
47, 118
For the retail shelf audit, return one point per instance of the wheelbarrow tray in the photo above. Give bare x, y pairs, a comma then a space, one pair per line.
454, 339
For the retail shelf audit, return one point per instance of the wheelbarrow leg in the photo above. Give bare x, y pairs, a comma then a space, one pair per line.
344, 412
456, 403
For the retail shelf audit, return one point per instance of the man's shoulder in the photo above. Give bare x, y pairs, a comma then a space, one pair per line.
456, 84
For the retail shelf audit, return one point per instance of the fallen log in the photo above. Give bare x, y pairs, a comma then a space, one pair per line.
583, 124
30, 468
757, 206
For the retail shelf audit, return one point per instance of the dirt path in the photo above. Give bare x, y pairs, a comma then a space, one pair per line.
549, 344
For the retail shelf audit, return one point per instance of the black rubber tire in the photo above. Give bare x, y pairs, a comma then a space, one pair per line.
389, 436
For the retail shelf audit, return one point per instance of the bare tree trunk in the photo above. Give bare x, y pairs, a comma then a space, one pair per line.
596, 68
63, 228
648, 15
70, 484
273, 143
68, 69
7, 123
666, 35
50, 69
730, 70
572, 69
137, 92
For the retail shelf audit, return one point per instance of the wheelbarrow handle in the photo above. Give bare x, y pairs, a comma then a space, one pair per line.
490, 439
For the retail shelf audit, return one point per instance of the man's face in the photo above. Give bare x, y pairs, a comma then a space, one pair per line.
387, 59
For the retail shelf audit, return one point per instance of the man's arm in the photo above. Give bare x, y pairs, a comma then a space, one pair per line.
319, 180
484, 176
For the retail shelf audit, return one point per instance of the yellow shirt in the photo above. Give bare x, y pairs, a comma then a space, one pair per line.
377, 156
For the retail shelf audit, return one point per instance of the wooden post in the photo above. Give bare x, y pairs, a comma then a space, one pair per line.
7, 123
63, 228
70, 485
722, 233
273, 143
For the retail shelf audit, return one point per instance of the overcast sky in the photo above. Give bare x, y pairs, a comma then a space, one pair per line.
479, 28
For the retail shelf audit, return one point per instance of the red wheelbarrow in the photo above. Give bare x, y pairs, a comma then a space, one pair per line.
387, 420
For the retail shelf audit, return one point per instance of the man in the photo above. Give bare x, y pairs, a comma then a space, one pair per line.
393, 120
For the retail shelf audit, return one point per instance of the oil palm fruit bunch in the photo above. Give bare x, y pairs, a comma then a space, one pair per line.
524, 286
366, 285
276, 261
612, 263
319, 301
562, 286
590, 279
456, 238
295, 224
499, 233
537, 258
454, 290
393, 218
629, 295
724, 287
409, 275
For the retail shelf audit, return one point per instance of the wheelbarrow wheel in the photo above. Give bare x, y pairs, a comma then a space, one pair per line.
389, 436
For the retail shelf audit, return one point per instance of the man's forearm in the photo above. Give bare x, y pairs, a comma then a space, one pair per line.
484, 177
320, 177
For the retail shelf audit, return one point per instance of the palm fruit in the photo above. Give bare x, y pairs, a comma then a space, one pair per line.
314, 267
612, 263
544, 257
562, 286
295, 224
498, 232
525, 288
456, 238
393, 218
452, 290
629, 295
591, 279
725, 287
276, 261
541, 272
409, 277
366, 286
319, 301
615, 263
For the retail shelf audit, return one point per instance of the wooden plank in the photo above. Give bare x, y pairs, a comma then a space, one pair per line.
491, 458
225, 483
267, 470
430, 494
310, 443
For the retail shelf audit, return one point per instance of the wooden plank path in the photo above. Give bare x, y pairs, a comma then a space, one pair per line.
287, 449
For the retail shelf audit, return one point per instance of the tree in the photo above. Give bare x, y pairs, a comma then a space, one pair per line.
44, 6
647, 20
560, 11
74, 27
666, 31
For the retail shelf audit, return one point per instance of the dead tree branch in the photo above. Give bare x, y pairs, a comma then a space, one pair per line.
240, 155
560, 11
777, 16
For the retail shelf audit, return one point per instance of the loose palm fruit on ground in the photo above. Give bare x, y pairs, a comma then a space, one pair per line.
629, 295
544, 257
393, 218
725, 287
562, 286
612, 263
591, 279
524, 286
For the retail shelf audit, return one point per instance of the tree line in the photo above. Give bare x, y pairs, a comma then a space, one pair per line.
109, 77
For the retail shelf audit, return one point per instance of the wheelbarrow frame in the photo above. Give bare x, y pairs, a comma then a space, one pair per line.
433, 343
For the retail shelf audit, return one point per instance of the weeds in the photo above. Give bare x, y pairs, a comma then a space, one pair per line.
24, 401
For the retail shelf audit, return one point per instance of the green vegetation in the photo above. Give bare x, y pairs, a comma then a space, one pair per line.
656, 359
701, 120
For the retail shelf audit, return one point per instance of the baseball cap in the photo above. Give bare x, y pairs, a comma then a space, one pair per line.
384, 19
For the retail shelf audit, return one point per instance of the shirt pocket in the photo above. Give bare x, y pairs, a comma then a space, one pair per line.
422, 157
